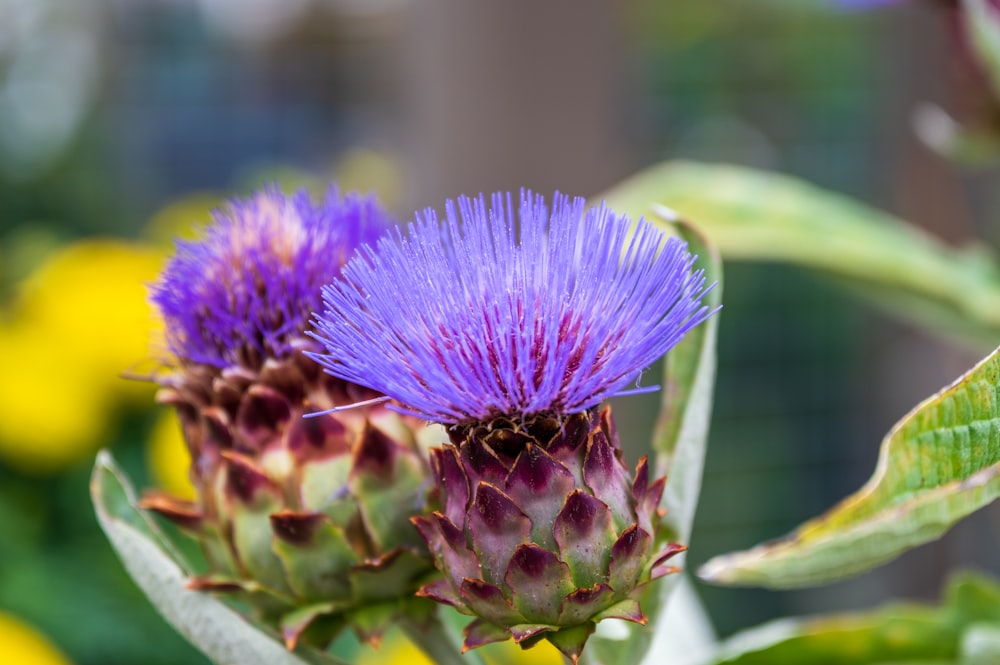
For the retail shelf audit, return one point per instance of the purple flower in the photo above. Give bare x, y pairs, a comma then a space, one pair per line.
465, 319
304, 521
246, 290
509, 325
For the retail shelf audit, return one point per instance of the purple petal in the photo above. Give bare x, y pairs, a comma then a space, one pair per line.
574, 434
627, 610
539, 484
523, 633
452, 481
524, 308
498, 526
375, 455
570, 641
184, 514
262, 417
538, 582
296, 528
609, 428
641, 483
446, 543
583, 604
245, 292
628, 558
481, 463
480, 633
317, 438
660, 566
245, 480
605, 475
583, 531
441, 591
647, 508
488, 602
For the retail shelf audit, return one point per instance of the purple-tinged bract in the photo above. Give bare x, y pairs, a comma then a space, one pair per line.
245, 291
466, 319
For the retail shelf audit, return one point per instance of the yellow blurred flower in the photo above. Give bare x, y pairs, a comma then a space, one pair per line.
91, 297
50, 411
508, 653
168, 457
396, 650
75, 325
23, 645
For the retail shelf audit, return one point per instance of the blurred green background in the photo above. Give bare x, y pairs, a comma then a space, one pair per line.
123, 122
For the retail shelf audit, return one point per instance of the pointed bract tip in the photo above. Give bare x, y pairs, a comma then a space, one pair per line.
296, 528
184, 514
481, 632
291, 638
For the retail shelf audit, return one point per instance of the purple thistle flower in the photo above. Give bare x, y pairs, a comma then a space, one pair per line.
245, 291
466, 320
511, 338
305, 521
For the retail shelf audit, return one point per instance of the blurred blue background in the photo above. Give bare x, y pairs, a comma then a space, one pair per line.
122, 122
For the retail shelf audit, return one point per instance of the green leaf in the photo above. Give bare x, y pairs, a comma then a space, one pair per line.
679, 443
753, 215
963, 630
681, 433
683, 635
214, 628
938, 464
899, 635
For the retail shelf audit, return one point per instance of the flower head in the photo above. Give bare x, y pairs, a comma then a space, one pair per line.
510, 325
245, 291
468, 319
305, 519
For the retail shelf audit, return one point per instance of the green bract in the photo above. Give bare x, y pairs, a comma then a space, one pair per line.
305, 519
544, 532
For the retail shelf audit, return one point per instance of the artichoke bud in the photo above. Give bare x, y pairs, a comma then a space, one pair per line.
543, 531
531, 315
305, 519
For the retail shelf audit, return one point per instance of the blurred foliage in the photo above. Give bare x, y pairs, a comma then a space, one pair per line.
938, 464
754, 215
73, 326
960, 632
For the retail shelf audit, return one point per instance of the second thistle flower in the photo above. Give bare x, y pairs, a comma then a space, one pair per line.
510, 325
306, 519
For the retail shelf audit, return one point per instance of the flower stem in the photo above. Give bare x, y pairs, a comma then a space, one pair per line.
434, 640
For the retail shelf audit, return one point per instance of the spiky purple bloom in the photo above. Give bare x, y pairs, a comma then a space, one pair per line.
305, 520
466, 319
511, 338
245, 291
